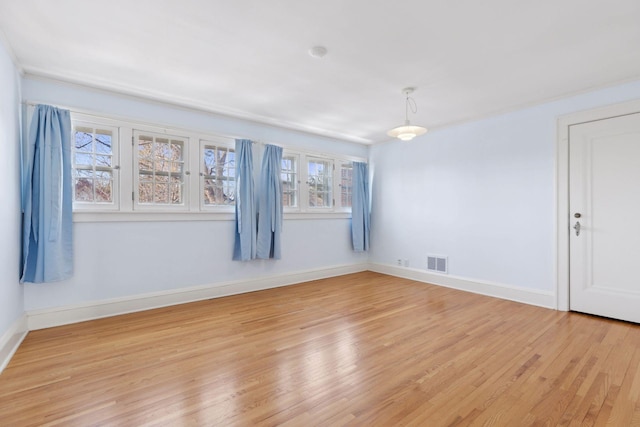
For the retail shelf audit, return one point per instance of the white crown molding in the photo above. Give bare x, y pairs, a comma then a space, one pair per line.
187, 103
535, 297
11, 340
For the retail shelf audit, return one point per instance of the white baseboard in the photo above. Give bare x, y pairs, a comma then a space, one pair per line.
47, 318
11, 340
528, 296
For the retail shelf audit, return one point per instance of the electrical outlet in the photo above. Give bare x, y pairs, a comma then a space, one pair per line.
399, 262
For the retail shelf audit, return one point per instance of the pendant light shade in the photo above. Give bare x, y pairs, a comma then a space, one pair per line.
408, 131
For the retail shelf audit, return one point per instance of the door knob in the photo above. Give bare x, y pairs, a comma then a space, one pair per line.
577, 228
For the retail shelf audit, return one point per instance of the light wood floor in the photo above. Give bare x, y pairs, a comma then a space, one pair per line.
364, 349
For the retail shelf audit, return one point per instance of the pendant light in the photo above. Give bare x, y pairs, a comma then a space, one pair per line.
408, 131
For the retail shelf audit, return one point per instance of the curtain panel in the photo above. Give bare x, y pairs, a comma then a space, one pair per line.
47, 241
360, 218
246, 222
270, 204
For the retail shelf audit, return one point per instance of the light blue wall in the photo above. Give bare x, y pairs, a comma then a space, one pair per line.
482, 193
136, 109
122, 259
11, 292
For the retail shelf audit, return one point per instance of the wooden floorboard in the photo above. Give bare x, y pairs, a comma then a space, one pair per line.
364, 349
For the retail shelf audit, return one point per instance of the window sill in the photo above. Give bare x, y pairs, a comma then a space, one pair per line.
317, 215
94, 216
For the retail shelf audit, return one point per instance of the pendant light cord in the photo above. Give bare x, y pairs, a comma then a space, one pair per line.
410, 104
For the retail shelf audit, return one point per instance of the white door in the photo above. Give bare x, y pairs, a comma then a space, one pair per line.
604, 204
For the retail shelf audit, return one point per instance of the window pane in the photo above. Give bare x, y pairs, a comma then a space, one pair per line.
103, 190
231, 161
145, 192
176, 193
229, 195
145, 147
83, 139
145, 176
209, 161
218, 176
93, 164
322, 199
209, 193
103, 142
145, 164
162, 149
176, 150
84, 159
163, 165
176, 167
161, 193
103, 161
83, 173
160, 170
319, 182
103, 175
84, 190
346, 184
289, 177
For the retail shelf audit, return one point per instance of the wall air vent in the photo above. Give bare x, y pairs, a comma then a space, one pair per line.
437, 263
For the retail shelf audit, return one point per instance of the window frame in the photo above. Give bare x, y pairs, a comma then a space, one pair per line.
97, 124
330, 186
295, 157
218, 142
340, 163
337, 162
125, 158
135, 165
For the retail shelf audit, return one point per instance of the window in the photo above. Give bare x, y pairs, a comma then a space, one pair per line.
166, 173
319, 183
94, 158
159, 171
290, 181
315, 183
218, 175
346, 184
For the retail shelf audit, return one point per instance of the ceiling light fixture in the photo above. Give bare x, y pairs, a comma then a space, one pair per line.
407, 131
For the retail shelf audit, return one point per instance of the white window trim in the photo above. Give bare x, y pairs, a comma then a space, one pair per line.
192, 209
90, 216
336, 210
296, 157
305, 184
151, 207
92, 122
218, 142
337, 191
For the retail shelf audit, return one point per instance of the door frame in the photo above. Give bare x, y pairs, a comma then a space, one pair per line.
563, 220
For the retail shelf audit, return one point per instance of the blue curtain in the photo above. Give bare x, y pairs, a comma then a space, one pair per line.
246, 228
270, 204
360, 208
47, 242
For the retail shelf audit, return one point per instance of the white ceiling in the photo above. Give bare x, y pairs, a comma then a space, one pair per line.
248, 58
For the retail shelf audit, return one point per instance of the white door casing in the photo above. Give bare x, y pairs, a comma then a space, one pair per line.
563, 216
604, 198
